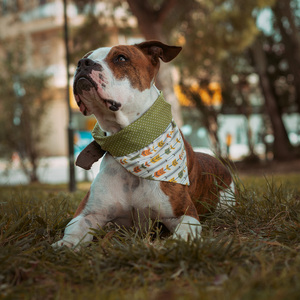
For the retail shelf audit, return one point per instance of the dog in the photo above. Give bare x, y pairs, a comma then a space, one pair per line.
148, 170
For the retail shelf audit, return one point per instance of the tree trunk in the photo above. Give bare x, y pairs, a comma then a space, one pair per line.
282, 146
150, 24
210, 120
249, 136
212, 126
30, 146
291, 39
245, 109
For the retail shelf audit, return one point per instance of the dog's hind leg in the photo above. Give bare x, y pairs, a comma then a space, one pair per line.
188, 227
228, 196
185, 223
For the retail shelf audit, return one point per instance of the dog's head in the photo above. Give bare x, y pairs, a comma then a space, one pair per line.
112, 78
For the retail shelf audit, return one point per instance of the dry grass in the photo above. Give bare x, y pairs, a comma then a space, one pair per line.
248, 252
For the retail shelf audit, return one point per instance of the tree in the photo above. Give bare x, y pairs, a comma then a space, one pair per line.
213, 32
264, 59
201, 95
90, 35
282, 147
287, 26
277, 61
219, 31
239, 87
23, 103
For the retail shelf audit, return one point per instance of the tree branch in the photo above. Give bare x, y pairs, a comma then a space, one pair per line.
142, 8
165, 9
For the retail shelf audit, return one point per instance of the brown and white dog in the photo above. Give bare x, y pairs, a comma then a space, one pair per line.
116, 85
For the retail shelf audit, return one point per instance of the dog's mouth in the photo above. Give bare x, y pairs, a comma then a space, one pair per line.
86, 91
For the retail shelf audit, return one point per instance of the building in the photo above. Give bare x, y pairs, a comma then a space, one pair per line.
41, 23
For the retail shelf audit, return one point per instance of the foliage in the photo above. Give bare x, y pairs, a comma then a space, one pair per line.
98, 25
23, 101
279, 70
223, 43
208, 109
247, 252
211, 31
285, 46
278, 45
90, 35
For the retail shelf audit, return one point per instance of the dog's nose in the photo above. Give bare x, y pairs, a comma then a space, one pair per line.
85, 62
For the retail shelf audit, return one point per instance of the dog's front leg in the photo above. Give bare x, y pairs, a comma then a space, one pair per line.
78, 230
105, 202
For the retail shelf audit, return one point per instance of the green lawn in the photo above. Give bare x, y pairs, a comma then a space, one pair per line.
251, 251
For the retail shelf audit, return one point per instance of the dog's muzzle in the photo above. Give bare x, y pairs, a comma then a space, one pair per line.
83, 84
86, 88
82, 79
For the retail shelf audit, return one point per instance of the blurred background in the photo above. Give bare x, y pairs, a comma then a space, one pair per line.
234, 88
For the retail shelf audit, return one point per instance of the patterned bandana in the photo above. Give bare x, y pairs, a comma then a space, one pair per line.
151, 147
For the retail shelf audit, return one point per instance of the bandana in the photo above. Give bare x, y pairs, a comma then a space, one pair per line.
151, 147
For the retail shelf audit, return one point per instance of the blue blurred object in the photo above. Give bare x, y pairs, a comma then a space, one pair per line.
81, 140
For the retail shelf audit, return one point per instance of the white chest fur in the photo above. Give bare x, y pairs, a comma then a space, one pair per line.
120, 194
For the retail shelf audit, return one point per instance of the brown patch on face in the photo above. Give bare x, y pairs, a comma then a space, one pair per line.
130, 62
82, 205
207, 175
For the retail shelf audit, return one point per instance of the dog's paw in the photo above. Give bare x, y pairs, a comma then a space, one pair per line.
61, 244
186, 236
69, 243
188, 228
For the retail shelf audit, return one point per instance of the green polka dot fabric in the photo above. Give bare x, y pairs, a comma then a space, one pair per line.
140, 133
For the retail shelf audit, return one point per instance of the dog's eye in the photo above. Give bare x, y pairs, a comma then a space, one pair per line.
121, 58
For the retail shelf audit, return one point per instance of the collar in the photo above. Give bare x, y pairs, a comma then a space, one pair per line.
138, 134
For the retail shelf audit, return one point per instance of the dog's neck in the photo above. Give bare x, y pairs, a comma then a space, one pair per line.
136, 105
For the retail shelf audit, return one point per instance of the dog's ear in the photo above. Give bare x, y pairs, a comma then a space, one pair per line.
158, 50
90, 154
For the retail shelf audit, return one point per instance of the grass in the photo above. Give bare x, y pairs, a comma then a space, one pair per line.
251, 251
